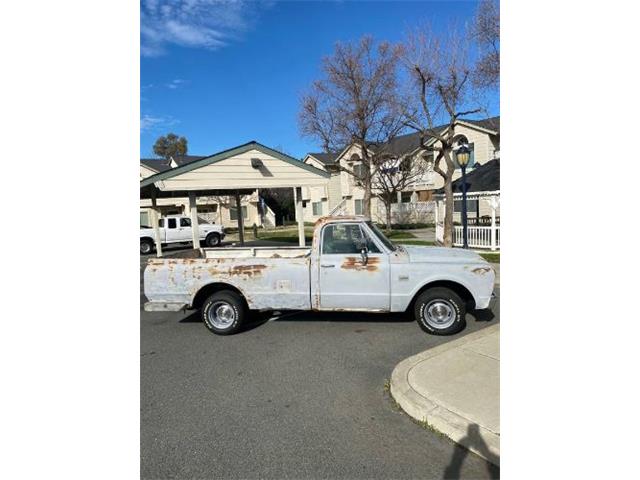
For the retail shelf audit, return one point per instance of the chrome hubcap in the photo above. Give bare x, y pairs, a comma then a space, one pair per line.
439, 314
221, 315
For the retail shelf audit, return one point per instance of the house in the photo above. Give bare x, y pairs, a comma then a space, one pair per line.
415, 204
220, 210
483, 207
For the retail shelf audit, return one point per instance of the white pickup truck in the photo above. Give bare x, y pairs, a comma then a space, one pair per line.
177, 229
351, 266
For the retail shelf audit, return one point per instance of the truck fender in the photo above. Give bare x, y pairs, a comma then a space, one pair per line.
459, 286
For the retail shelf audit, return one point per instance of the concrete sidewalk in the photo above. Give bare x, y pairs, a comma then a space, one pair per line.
455, 388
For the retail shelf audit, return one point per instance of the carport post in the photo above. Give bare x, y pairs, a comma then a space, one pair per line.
240, 219
154, 220
195, 231
297, 195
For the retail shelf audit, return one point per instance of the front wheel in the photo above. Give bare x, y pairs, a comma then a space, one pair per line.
224, 312
212, 240
440, 311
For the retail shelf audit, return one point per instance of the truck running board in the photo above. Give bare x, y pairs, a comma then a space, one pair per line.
163, 307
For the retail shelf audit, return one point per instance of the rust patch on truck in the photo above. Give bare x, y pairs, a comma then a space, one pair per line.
355, 263
249, 270
481, 270
238, 270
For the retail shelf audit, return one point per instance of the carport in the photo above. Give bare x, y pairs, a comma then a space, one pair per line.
233, 172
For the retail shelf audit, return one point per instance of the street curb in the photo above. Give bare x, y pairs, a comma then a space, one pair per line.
450, 423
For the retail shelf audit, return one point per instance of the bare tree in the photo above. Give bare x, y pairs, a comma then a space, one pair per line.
437, 96
486, 33
354, 104
394, 176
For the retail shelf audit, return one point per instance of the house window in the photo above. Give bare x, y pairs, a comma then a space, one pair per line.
233, 213
472, 206
406, 197
359, 170
212, 208
317, 208
358, 207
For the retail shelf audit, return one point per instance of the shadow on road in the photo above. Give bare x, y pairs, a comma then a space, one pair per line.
257, 319
473, 439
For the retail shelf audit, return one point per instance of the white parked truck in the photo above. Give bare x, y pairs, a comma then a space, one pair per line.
351, 266
177, 229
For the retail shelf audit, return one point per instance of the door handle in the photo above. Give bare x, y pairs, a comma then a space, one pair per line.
327, 266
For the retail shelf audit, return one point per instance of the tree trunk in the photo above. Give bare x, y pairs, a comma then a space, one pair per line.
448, 212
366, 200
388, 207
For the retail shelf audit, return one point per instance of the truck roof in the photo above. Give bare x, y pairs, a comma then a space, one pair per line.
341, 218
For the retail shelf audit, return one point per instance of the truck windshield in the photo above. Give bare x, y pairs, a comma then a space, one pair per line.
387, 243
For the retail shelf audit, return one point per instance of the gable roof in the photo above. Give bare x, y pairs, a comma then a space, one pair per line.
162, 164
223, 155
492, 123
485, 178
403, 144
325, 158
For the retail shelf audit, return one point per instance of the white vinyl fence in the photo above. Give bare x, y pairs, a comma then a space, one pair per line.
478, 237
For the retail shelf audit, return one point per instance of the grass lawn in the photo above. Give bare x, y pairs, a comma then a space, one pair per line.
398, 235
425, 243
284, 235
491, 257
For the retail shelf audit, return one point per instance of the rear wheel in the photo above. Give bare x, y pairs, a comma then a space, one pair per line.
146, 246
224, 312
212, 240
440, 311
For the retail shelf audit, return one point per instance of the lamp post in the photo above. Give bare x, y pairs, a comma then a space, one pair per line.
462, 156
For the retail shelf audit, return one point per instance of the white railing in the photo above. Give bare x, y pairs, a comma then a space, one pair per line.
478, 237
339, 209
410, 212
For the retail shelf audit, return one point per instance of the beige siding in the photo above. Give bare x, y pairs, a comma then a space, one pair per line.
236, 172
146, 172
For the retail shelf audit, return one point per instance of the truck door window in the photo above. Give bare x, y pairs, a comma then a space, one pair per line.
185, 222
345, 238
171, 222
161, 223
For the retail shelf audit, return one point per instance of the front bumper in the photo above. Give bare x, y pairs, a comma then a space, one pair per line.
483, 303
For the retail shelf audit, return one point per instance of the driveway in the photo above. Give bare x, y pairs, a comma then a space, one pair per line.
297, 397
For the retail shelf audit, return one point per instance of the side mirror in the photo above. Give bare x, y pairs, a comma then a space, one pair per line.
364, 256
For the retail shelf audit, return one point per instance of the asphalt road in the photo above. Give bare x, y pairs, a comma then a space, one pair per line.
297, 397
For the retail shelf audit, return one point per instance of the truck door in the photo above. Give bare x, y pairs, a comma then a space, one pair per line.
184, 230
345, 280
171, 229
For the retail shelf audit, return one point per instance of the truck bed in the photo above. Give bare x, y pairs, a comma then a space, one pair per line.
268, 277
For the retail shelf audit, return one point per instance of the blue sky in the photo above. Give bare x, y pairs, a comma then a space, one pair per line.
224, 73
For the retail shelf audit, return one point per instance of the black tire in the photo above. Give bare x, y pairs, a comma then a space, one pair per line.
440, 311
218, 318
146, 246
212, 240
